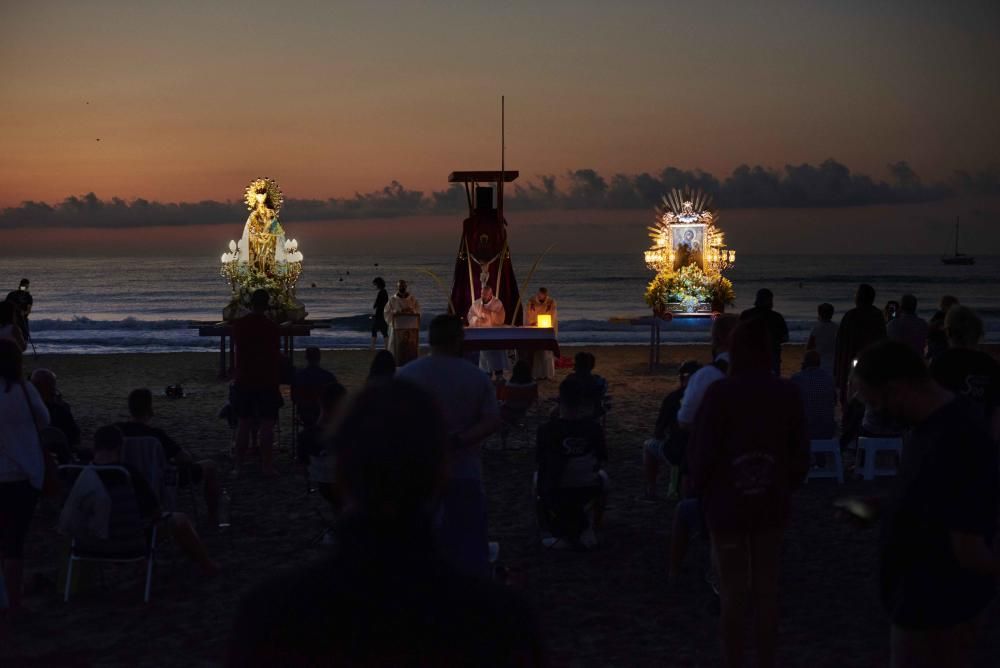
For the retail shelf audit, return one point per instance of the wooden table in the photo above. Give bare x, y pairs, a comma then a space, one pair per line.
224, 330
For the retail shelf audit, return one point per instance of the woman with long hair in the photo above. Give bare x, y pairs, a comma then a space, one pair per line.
22, 466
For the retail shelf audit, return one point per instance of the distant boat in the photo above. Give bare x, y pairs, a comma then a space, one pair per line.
958, 258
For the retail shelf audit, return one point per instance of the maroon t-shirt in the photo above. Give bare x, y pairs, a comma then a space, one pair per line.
748, 451
258, 356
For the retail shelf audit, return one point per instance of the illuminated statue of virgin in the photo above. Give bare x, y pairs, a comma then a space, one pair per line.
262, 245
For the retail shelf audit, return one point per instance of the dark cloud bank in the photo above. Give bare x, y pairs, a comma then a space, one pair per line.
827, 185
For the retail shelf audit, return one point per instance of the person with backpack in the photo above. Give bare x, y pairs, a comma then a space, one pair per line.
571, 453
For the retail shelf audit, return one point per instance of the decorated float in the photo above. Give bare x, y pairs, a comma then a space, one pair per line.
483, 258
263, 258
689, 257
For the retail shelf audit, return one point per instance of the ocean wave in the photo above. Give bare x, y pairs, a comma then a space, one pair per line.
874, 279
79, 323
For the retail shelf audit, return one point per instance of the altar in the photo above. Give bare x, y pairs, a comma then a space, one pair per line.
528, 339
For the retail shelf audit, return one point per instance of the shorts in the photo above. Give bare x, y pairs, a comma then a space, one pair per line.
17, 506
256, 402
380, 325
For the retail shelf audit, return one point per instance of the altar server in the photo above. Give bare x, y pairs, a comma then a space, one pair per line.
543, 362
403, 315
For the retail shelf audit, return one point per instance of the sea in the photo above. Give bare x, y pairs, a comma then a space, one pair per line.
147, 304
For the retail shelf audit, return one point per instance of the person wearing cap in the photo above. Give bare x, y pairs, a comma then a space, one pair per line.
763, 308
668, 442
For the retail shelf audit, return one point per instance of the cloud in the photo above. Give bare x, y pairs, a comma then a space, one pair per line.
829, 184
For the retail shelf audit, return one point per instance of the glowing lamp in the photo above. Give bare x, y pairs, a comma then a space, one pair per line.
544, 320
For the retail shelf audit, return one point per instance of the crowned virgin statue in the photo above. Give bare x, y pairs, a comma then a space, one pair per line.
263, 258
262, 245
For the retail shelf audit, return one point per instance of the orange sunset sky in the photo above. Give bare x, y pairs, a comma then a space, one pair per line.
190, 100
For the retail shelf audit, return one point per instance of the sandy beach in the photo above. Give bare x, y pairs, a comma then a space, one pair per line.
609, 607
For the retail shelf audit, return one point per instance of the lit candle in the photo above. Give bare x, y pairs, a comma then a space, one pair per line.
544, 320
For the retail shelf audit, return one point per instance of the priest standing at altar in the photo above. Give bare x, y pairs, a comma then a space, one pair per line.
488, 311
543, 363
402, 312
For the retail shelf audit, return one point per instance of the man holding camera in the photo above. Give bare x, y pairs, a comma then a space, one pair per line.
22, 301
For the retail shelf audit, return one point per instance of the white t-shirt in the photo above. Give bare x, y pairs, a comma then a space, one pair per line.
20, 453
466, 397
697, 385
824, 336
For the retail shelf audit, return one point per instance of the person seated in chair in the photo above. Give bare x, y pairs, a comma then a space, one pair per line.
595, 386
316, 440
108, 443
669, 441
571, 453
308, 386
60, 414
189, 471
819, 396
516, 396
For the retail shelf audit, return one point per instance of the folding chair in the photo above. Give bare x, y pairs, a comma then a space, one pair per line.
127, 540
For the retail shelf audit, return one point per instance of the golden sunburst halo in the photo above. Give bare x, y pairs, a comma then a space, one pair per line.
264, 185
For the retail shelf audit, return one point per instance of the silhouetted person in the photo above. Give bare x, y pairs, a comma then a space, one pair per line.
471, 414
384, 597
189, 471
860, 327
763, 309
749, 451
379, 323
968, 371
823, 338
308, 385
938, 570
819, 397
257, 397
60, 413
908, 327
23, 303
383, 365
10, 328
937, 339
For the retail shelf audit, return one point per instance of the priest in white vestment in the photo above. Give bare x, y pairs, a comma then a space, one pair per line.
488, 311
402, 313
543, 364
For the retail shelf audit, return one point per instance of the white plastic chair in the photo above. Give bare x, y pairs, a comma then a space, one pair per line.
829, 451
869, 447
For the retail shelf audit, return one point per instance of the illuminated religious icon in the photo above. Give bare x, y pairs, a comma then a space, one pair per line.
263, 240
688, 256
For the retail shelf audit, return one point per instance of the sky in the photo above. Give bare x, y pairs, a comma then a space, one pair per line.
191, 100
